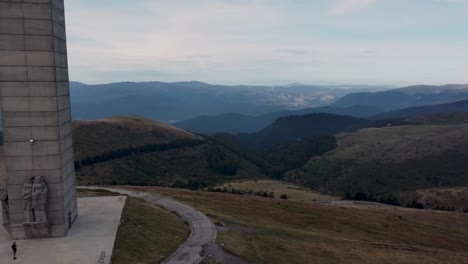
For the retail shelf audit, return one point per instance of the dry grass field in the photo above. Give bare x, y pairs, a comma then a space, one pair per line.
278, 231
293, 192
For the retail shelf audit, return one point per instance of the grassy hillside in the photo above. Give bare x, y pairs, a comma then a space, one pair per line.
238, 123
265, 230
390, 160
452, 118
452, 199
293, 192
138, 151
297, 127
95, 137
149, 234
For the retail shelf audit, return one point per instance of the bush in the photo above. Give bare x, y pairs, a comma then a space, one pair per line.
284, 196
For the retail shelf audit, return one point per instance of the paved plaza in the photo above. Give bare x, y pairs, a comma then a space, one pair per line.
94, 232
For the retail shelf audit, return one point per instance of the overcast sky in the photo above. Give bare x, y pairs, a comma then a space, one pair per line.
395, 42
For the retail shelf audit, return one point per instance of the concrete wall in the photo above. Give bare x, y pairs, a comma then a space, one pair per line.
35, 104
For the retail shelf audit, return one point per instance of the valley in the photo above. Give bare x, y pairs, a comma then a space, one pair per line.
264, 188
233, 132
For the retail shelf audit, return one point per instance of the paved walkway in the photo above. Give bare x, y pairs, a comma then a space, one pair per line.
93, 232
203, 230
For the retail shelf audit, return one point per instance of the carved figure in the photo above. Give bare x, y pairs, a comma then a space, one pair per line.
4, 198
5, 208
39, 200
27, 200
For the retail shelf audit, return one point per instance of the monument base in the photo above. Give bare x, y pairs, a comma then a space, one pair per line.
37, 230
92, 233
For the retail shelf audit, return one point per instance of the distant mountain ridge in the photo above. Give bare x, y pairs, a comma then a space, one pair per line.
458, 106
169, 102
411, 96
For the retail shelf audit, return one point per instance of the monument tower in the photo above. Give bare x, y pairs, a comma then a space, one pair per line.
40, 197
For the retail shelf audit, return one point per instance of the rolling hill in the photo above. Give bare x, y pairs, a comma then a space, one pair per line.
298, 127
224, 123
239, 123
391, 160
406, 97
134, 150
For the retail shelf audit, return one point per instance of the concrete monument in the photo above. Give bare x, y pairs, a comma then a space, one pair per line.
40, 200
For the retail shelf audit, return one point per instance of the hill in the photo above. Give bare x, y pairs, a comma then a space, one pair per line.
265, 230
458, 106
225, 123
278, 189
239, 123
298, 127
95, 137
291, 141
453, 118
406, 97
450, 199
135, 150
386, 161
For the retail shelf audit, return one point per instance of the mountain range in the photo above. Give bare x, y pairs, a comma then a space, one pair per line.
405, 97
238, 123
409, 101
458, 106
169, 102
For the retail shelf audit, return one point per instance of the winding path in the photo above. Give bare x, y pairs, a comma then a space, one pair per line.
203, 230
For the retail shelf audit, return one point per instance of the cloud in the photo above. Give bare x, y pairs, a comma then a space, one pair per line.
351, 6
292, 51
261, 42
458, 1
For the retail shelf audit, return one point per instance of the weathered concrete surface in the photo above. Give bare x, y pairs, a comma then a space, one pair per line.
203, 230
35, 105
94, 231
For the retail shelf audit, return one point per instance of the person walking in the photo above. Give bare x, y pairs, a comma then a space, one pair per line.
14, 248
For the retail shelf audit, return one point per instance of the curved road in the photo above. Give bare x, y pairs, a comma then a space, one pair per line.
203, 230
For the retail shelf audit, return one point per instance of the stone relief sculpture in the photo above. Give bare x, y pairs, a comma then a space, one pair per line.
35, 200
27, 200
5, 208
39, 200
